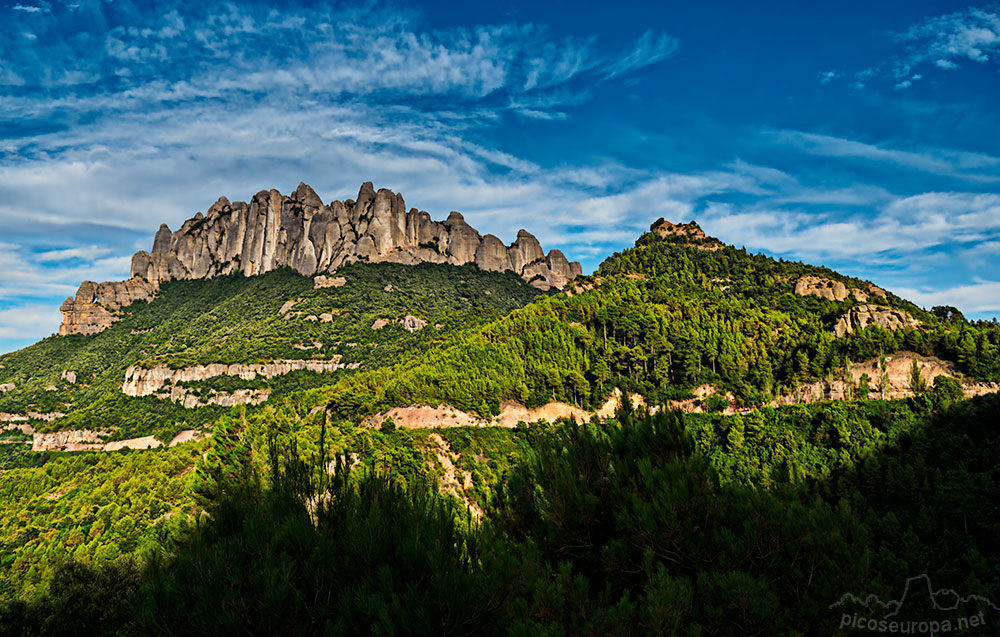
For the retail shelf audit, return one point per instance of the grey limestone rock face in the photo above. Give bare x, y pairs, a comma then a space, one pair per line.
492, 254
463, 240
301, 232
161, 242
524, 251
412, 323
862, 316
818, 286
96, 304
835, 290
307, 196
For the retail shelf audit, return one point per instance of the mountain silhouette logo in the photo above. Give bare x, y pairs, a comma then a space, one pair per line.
920, 609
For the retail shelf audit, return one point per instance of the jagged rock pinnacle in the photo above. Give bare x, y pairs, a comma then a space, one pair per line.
300, 232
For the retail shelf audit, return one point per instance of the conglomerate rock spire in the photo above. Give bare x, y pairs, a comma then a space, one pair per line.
301, 232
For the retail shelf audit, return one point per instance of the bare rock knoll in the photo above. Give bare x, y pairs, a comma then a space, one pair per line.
95, 305
301, 232
862, 316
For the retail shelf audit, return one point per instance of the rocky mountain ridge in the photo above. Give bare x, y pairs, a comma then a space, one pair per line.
301, 232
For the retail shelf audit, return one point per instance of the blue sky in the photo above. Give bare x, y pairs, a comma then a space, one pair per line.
861, 136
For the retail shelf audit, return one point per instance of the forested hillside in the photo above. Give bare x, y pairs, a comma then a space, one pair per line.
663, 318
665, 524
313, 512
280, 315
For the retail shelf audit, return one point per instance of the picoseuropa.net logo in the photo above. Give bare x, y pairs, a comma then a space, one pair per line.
920, 610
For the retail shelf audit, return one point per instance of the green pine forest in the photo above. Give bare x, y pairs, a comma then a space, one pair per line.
295, 518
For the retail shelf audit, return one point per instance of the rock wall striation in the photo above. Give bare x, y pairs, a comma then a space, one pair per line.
90, 440
140, 381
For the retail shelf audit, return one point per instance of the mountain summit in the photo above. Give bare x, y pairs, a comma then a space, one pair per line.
301, 232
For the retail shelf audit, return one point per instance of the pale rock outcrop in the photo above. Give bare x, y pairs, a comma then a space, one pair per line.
300, 232
823, 288
31, 415
412, 323
76, 440
492, 255
22, 427
875, 291
862, 316
7, 387
145, 442
140, 381
409, 323
463, 240
690, 230
188, 435
898, 373
95, 306
323, 281
689, 233
834, 290
68, 376
511, 413
88, 440
189, 400
560, 272
454, 480
287, 306
524, 251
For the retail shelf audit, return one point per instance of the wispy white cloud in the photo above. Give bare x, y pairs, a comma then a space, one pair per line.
650, 48
944, 42
41, 7
29, 321
902, 230
28, 276
65, 254
971, 166
971, 35
369, 51
982, 296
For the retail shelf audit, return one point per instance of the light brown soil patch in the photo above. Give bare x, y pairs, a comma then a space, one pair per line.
454, 481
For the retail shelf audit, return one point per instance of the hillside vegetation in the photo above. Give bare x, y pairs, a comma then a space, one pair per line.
297, 517
665, 524
236, 319
660, 320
